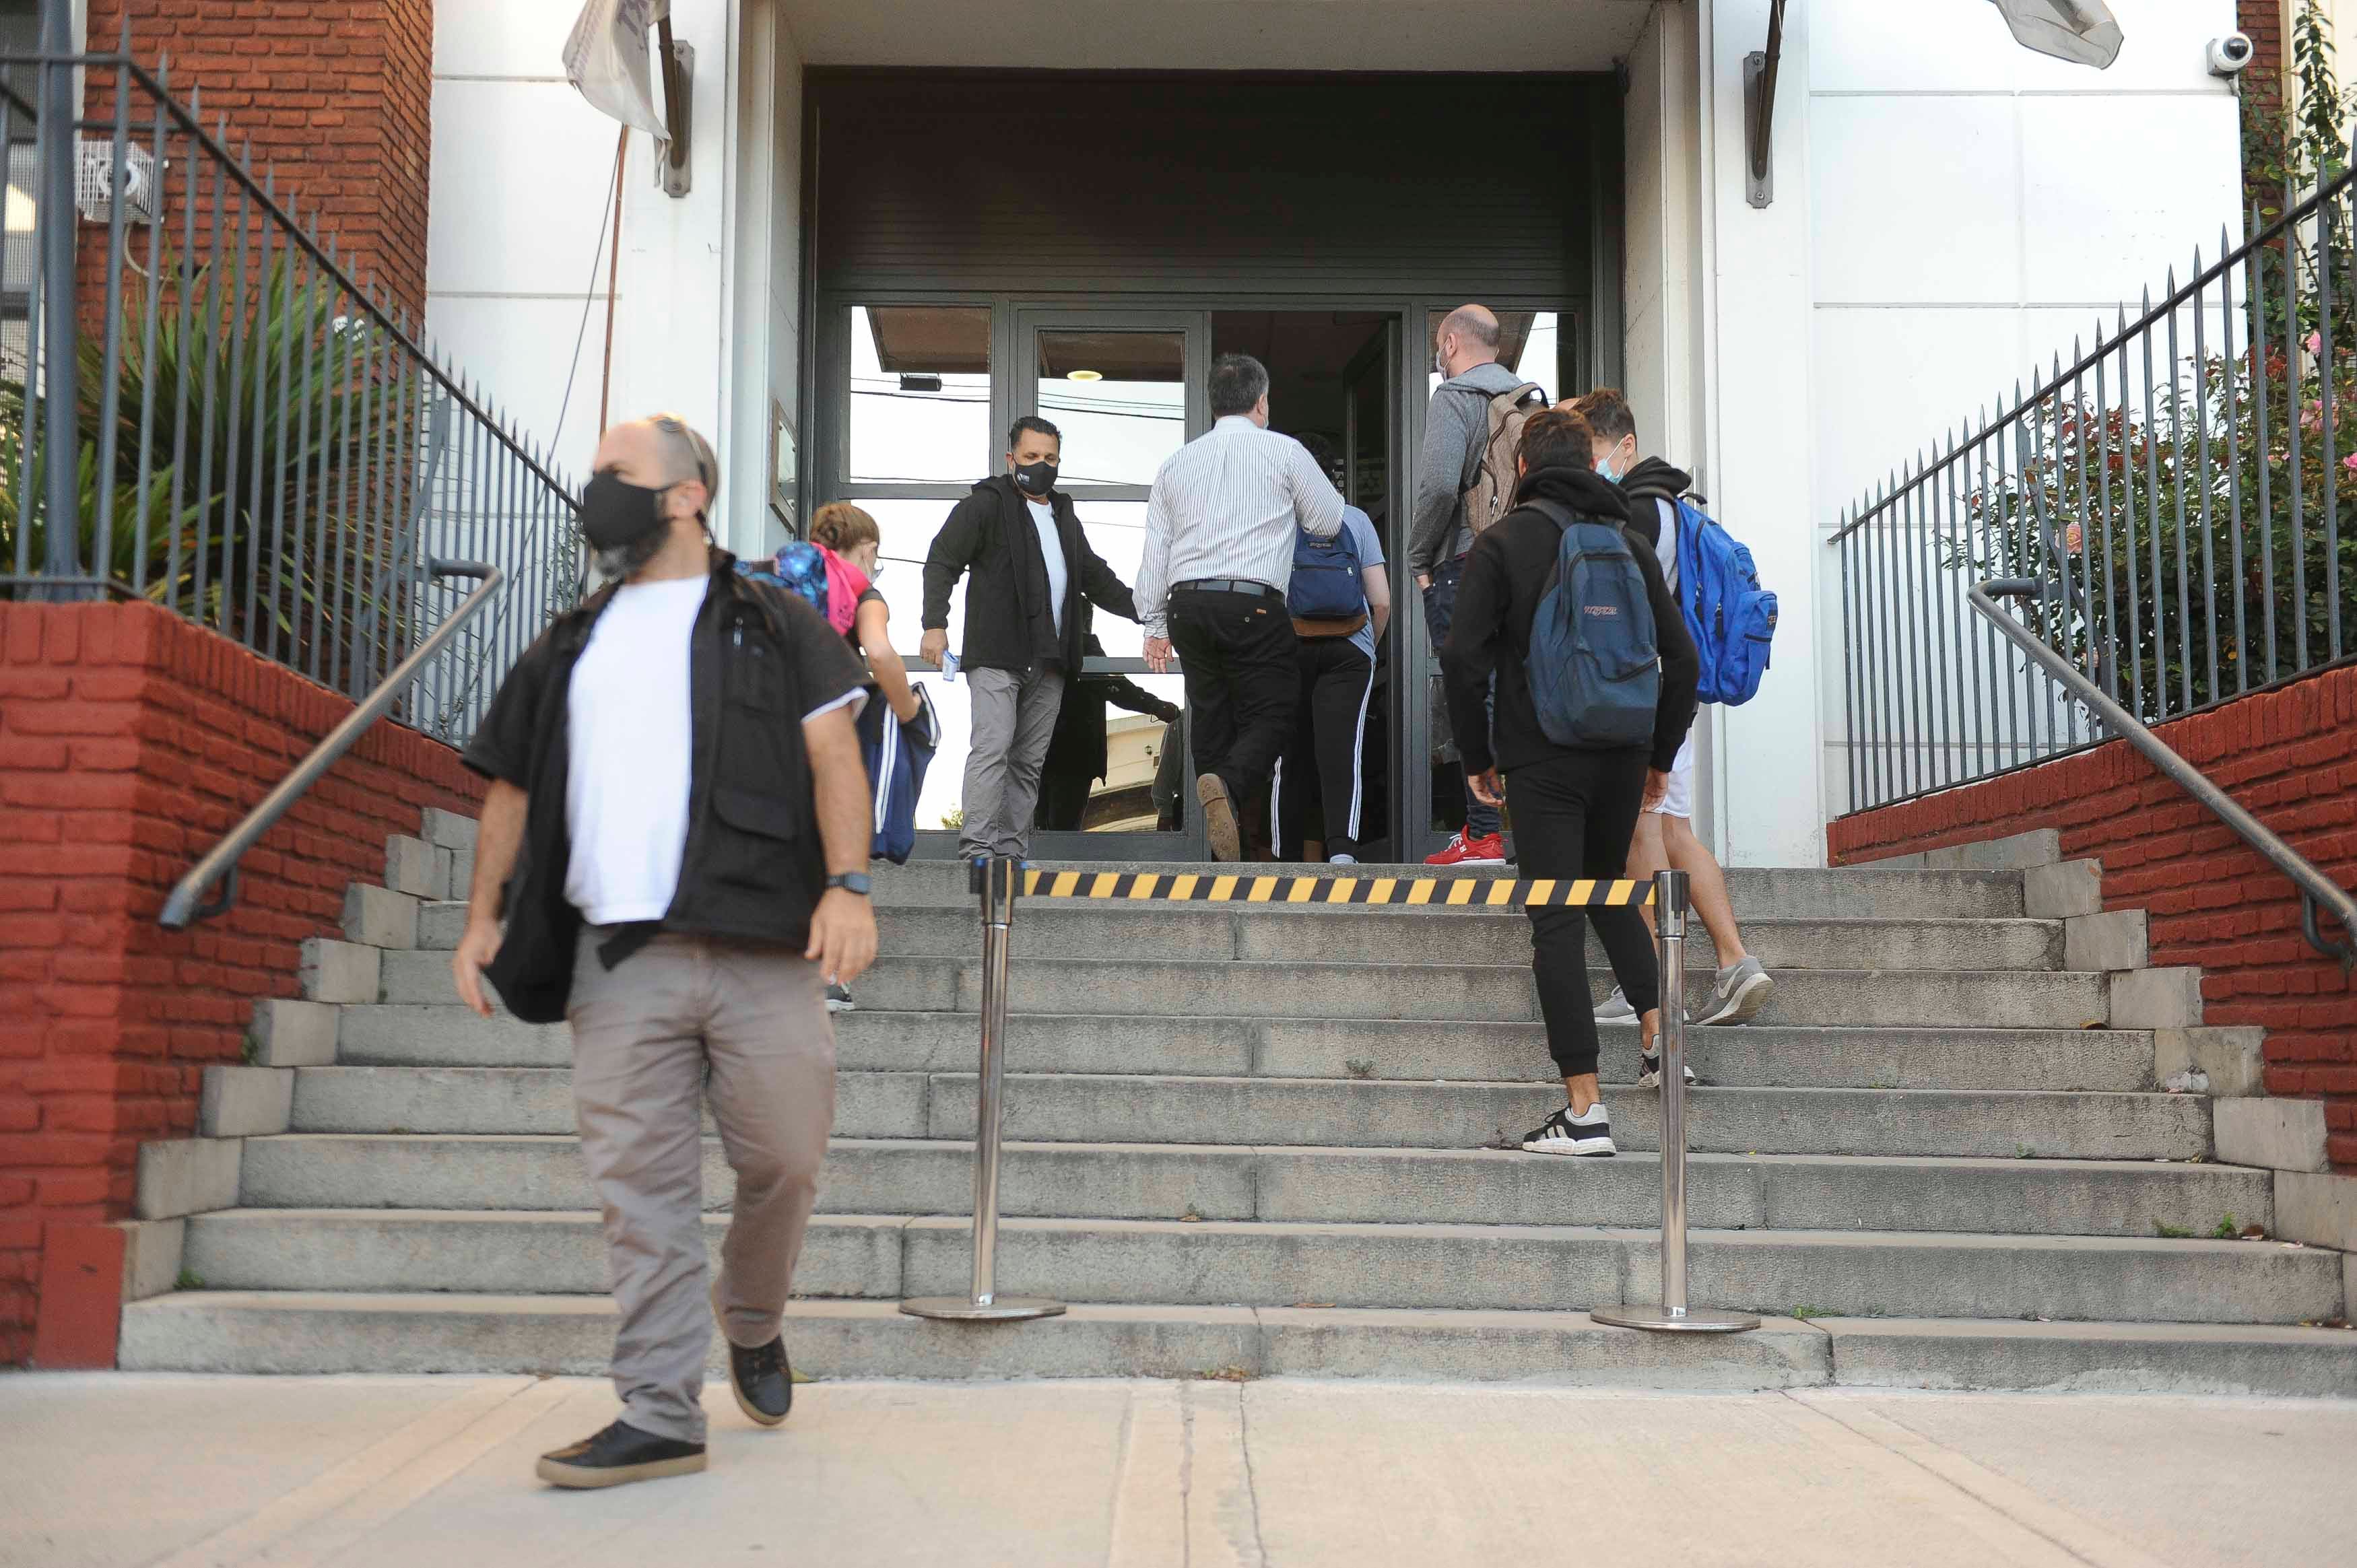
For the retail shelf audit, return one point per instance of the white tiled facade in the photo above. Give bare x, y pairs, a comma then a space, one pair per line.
1950, 211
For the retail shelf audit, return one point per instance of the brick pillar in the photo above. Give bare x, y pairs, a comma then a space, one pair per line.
129, 741
336, 97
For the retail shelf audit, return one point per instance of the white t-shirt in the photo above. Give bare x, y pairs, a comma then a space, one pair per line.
631, 753
1051, 547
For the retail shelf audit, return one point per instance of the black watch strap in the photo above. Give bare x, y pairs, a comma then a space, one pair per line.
851, 882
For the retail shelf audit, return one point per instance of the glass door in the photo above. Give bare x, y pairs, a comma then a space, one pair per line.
1124, 390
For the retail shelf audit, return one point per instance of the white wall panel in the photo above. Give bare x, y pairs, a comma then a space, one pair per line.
520, 189
2117, 190
1917, 199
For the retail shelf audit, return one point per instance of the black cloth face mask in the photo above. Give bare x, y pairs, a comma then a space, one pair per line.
1036, 478
616, 514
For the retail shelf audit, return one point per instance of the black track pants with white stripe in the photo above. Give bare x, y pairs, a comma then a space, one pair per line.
1327, 761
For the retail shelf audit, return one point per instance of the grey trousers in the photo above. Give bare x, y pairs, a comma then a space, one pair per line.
1014, 720
643, 1034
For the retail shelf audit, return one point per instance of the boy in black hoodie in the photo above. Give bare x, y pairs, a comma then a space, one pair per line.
1575, 807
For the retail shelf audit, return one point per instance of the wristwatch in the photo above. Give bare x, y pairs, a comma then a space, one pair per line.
851, 882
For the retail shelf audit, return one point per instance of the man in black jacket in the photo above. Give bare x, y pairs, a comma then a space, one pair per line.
1031, 570
1574, 807
676, 785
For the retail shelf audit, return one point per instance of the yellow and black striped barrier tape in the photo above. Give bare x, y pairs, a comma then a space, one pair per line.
1445, 892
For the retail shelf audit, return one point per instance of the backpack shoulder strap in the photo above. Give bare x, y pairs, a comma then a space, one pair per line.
1554, 512
1514, 396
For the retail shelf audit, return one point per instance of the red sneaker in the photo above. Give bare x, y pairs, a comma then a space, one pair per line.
1489, 850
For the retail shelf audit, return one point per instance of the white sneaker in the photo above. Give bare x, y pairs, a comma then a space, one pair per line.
1342, 860
1615, 1009
1563, 1133
1650, 1078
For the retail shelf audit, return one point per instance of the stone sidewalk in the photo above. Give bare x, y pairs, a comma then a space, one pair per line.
115, 1469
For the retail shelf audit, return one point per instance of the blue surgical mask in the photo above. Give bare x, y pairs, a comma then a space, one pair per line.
1605, 468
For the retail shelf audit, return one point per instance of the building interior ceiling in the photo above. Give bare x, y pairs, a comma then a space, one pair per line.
1220, 34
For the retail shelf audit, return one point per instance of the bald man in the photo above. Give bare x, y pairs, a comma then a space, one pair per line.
676, 762
1456, 429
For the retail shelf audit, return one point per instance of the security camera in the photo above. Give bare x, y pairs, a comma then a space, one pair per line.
2231, 56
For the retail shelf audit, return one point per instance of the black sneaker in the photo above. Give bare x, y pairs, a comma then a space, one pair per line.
1650, 1073
838, 998
762, 1381
617, 1455
1587, 1133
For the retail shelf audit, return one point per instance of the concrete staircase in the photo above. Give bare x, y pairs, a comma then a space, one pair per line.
1248, 1139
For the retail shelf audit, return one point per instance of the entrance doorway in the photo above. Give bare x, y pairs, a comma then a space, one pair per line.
929, 392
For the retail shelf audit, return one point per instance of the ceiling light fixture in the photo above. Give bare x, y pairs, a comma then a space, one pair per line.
1085, 375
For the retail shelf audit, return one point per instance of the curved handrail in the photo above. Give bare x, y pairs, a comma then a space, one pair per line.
2315, 888
181, 908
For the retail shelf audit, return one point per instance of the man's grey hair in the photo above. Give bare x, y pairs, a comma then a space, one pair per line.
687, 455
1238, 382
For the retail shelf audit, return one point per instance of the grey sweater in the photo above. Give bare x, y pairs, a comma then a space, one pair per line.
1453, 429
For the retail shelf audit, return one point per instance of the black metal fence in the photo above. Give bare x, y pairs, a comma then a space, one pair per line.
201, 407
2186, 490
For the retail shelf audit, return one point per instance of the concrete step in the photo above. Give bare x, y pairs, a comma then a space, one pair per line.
1847, 893
1439, 991
1210, 1262
1327, 1112
540, 1099
1149, 1181
1260, 934
1760, 1054
303, 1332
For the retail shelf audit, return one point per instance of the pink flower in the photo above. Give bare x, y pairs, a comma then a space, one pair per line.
2311, 415
2350, 462
2315, 344
2073, 536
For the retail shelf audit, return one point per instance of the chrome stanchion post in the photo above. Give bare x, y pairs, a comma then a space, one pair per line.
997, 879
1673, 1315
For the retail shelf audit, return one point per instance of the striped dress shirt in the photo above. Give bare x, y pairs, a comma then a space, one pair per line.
1225, 505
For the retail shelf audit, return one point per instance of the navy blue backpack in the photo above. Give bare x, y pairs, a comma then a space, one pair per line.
1594, 666
1327, 581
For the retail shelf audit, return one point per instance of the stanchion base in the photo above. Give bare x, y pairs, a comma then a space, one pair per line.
1661, 1320
965, 1309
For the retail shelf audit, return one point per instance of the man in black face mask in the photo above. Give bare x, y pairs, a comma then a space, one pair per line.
676, 785
1031, 568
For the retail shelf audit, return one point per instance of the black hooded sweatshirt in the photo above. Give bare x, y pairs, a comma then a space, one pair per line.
1505, 576
1650, 482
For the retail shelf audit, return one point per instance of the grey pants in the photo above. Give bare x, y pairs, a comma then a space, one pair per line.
1014, 719
643, 1035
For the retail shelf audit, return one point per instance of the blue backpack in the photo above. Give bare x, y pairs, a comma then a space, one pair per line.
1594, 667
1731, 615
1328, 584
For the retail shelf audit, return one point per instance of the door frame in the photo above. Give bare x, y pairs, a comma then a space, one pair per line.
1594, 360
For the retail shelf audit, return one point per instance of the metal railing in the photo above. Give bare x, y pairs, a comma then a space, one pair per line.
181, 905
2187, 487
200, 406
2318, 892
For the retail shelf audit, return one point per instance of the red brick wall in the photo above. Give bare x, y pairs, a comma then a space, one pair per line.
130, 740
2290, 756
334, 96
2263, 22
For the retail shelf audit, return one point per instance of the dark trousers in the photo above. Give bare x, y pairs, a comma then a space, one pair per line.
1244, 681
1326, 764
1063, 798
1439, 607
1573, 817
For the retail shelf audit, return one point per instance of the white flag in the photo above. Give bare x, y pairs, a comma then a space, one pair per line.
606, 59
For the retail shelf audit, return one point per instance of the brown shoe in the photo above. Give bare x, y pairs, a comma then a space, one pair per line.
1219, 817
